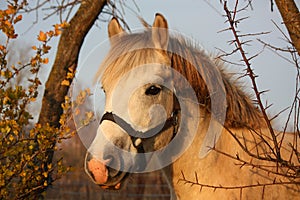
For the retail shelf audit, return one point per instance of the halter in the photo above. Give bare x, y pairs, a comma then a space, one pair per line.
137, 137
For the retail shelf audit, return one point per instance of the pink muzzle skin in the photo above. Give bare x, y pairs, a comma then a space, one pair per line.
100, 173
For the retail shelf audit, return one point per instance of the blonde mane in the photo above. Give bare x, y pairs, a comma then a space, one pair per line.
241, 111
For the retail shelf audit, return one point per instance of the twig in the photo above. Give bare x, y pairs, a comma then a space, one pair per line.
222, 187
250, 73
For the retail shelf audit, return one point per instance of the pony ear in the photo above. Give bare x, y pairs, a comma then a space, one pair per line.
114, 28
160, 33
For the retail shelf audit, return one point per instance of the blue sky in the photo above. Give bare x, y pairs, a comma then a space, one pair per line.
201, 21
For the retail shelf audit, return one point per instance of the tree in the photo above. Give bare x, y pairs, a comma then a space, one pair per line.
27, 164
291, 18
58, 83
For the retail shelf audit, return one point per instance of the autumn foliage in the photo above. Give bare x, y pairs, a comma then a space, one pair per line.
25, 171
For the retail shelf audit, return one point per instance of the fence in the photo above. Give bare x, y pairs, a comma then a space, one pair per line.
76, 184
140, 187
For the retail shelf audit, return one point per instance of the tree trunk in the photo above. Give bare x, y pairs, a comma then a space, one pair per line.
67, 56
291, 18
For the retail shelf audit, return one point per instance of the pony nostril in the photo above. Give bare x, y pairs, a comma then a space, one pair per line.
111, 162
108, 159
113, 165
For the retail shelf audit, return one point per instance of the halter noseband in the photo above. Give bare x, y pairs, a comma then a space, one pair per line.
137, 137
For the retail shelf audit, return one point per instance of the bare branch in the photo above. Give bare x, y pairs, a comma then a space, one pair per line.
252, 76
241, 187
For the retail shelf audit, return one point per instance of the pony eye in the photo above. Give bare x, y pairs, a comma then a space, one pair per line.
153, 90
103, 89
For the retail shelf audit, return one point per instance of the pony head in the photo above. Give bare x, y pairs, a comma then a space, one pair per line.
141, 110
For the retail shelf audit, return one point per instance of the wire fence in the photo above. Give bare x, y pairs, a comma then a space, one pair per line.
141, 187
77, 185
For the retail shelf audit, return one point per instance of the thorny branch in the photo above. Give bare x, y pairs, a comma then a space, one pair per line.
224, 187
276, 151
232, 21
264, 147
287, 169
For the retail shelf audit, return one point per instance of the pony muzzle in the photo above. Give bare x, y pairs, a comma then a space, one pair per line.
103, 175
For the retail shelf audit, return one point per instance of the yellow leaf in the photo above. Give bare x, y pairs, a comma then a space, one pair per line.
88, 90
62, 123
32, 99
57, 30
59, 163
5, 99
45, 174
23, 174
7, 23
11, 138
33, 61
14, 67
6, 130
64, 24
46, 61
71, 69
77, 111
89, 115
27, 157
42, 37
50, 33
10, 10
46, 48
18, 18
38, 178
65, 83
67, 98
70, 75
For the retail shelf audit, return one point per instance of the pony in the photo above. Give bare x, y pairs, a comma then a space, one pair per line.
169, 106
